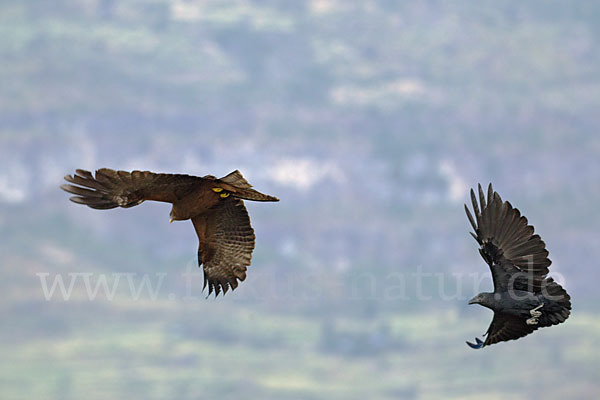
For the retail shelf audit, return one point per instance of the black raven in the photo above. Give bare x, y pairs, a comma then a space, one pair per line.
524, 298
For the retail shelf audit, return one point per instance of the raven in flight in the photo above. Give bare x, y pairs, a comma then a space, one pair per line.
524, 298
214, 205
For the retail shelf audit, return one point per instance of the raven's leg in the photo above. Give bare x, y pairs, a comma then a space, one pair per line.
535, 314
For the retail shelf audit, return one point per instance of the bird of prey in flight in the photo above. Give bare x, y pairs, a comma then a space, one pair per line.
215, 207
524, 298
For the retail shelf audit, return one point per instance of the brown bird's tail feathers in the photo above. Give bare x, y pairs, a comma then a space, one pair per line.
242, 189
102, 191
110, 189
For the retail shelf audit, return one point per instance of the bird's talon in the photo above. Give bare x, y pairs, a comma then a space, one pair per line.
224, 195
535, 313
217, 189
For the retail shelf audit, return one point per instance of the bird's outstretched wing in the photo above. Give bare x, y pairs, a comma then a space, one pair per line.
504, 327
226, 244
242, 189
110, 188
517, 257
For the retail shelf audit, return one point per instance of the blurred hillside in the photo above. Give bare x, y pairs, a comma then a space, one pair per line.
370, 120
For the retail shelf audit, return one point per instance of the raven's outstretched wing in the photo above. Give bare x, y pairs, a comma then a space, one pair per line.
226, 244
110, 188
504, 327
517, 257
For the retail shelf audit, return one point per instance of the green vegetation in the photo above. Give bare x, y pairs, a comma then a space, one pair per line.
232, 351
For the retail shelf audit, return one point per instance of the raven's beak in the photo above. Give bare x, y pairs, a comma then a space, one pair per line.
473, 300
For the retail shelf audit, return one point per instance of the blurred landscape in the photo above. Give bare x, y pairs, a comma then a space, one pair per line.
370, 120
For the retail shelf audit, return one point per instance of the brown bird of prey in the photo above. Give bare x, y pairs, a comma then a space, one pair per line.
214, 205
524, 298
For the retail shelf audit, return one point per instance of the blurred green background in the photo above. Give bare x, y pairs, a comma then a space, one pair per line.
370, 120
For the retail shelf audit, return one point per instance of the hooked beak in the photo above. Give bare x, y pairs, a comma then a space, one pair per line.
473, 301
